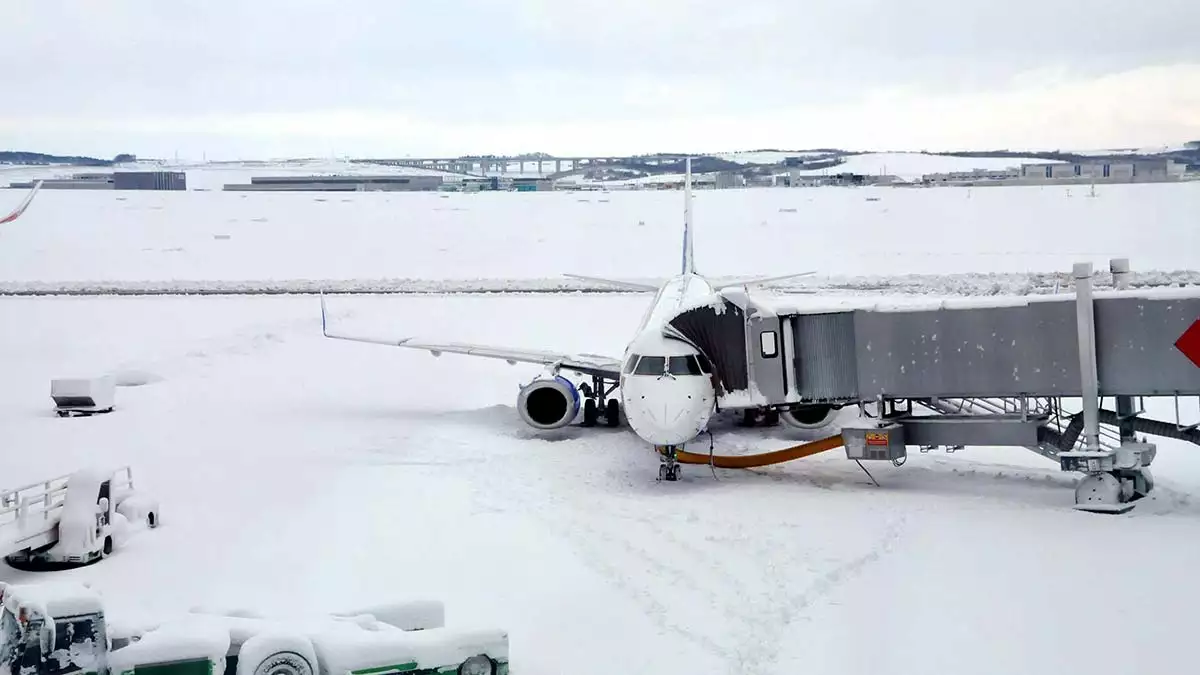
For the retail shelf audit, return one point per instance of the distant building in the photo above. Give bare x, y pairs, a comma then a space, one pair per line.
338, 184
730, 179
149, 180
973, 175
1133, 171
121, 180
532, 184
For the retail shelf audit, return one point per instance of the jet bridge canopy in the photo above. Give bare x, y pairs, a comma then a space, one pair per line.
766, 355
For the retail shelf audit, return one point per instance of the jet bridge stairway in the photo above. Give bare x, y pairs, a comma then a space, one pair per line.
970, 372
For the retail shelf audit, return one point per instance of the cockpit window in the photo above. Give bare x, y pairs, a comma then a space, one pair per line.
651, 365
684, 365
633, 359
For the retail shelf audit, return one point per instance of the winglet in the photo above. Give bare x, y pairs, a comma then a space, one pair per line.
23, 205
323, 323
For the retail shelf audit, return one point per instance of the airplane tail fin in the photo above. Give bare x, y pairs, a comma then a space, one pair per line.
689, 262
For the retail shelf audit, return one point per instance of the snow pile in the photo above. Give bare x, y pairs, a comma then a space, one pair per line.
77, 521
180, 640
965, 284
53, 599
426, 649
413, 615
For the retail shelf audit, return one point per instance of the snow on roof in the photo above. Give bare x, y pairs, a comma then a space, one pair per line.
174, 641
784, 305
345, 652
52, 600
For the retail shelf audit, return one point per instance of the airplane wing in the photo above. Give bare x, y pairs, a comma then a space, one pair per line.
23, 205
588, 364
762, 281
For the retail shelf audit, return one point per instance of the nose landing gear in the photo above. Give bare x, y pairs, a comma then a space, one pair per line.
669, 468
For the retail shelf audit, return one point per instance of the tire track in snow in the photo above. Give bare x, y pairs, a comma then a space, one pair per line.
762, 654
759, 617
739, 617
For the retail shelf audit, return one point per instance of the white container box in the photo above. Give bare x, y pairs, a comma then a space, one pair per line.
83, 395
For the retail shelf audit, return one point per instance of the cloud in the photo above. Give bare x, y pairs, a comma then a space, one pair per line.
371, 77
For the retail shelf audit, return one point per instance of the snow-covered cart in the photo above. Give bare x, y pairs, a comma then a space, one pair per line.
62, 630
71, 520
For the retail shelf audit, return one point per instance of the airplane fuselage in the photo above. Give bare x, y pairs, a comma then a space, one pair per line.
666, 387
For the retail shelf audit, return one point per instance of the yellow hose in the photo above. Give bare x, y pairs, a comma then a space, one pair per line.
763, 458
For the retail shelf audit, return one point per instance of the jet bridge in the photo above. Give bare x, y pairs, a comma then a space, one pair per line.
1026, 372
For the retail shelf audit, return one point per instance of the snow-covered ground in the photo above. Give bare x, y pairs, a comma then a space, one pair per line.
854, 238
299, 474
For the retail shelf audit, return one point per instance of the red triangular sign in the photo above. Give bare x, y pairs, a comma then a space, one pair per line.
1189, 343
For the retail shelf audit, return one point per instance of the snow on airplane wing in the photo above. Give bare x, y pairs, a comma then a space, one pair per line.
589, 364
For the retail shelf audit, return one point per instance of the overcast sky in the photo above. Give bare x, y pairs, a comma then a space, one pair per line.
271, 78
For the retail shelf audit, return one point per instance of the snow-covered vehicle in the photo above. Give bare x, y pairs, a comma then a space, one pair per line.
71, 520
62, 629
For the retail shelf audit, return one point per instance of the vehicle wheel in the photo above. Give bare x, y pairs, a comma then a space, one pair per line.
108, 546
271, 653
612, 416
771, 418
591, 412
748, 418
152, 520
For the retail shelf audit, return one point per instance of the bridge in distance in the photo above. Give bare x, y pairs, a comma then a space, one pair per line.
538, 165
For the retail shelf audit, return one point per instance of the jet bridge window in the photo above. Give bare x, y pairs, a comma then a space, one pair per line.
767, 340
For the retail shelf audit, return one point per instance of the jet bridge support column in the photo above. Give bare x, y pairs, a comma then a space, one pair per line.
1119, 267
1114, 478
1090, 379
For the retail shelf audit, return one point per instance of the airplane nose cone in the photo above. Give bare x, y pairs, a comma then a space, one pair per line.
669, 423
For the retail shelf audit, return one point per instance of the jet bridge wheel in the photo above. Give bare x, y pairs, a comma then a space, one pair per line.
1113, 492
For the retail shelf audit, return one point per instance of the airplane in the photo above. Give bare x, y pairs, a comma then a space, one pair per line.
666, 384
23, 205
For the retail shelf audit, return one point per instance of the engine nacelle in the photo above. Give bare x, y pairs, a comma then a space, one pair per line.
548, 403
808, 416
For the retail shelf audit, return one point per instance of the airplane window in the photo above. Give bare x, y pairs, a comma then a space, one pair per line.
768, 344
651, 365
705, 366
631, 363
684, 365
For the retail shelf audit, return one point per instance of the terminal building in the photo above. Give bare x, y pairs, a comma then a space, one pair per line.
383, 183
120, 180
1053, 173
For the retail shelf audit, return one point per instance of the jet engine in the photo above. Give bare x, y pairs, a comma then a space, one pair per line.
808, 416
548, 403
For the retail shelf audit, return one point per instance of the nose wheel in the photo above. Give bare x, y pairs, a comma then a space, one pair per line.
669, 469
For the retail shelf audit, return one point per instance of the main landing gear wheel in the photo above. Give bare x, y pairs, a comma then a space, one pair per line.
612, 414
591, 413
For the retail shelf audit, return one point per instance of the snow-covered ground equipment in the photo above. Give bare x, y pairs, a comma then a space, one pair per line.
83, 396
71, 520
58, 629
